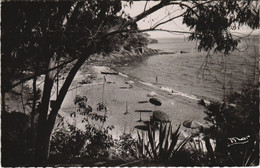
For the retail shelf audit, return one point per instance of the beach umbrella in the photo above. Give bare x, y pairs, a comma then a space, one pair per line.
161, 116
142, 111
192, 124
183, 52
155, 101
146, 122
153, 125
152, 94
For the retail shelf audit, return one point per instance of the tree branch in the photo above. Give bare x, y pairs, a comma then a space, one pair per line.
165, 30
163, 3
165, 17
149, 11
192, 8
8, 88
68, 16
168, 20
64, 24
145, 5
154, 29
115, 29
47, 90
64, 89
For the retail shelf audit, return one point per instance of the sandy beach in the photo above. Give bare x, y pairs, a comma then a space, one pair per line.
117, 93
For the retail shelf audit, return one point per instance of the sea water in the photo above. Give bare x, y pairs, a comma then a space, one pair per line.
189, 73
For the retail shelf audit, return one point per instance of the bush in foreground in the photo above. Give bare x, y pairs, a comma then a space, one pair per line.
235, 125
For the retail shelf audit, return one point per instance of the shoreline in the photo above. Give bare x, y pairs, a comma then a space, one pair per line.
118, 93
130, 62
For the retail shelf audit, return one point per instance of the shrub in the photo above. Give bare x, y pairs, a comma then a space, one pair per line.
78, 143
92, 141
126, 146
99, 141
17, 145
165, 149
238, 117
68, 143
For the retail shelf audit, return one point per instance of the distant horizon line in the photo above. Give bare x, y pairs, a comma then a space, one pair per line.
178, 37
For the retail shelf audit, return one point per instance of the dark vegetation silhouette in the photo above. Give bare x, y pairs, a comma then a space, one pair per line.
237, 117
46, 38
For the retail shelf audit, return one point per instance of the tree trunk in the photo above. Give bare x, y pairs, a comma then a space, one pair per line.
42, 144
65, 88
22, 99
43, 133
3, 102
34, 95
46, 123
34, 102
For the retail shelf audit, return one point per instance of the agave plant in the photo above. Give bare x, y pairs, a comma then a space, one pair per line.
162, 150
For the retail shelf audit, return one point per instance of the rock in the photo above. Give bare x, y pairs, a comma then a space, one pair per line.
129, 82
152, 94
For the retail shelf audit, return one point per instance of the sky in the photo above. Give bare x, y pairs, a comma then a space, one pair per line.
163, 14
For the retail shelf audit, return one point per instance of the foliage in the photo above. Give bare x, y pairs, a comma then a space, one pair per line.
127, 41
165, 149
86, 110
63, 28
99, 141
28, 28
16, 139
23, 95
236, 118
194, 152
88, 79
75, 142
126, 145
80, 143
67, 28
183, 158
34, 33
101, 106
68, 143
213, 21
